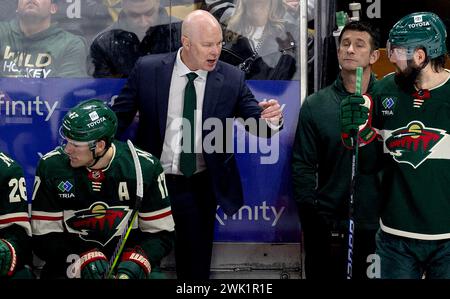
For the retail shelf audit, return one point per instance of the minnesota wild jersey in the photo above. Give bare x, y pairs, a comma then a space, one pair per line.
13, 195
14, 219
415, 129
77, 209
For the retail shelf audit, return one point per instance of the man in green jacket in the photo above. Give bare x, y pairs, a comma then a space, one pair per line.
32, 47
321, 170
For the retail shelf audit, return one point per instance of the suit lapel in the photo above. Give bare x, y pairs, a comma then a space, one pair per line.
165, 73
213, 88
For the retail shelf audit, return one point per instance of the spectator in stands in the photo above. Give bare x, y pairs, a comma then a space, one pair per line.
293, 10
34, 47
260, 41
221, 10
143, 27
224, 9
85, 18
138, 15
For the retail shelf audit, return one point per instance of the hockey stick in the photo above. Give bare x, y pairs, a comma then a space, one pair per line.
127, 229
351, 222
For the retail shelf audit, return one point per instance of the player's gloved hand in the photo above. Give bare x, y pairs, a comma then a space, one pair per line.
94, 264
8, 258
356, 116
134, 265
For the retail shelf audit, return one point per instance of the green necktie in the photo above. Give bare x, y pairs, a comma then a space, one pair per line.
188, 161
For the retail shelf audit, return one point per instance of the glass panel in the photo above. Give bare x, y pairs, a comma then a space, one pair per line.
104, 38
33, 45
260, 37
140, 27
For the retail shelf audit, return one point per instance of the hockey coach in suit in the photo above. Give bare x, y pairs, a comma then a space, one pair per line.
163, 89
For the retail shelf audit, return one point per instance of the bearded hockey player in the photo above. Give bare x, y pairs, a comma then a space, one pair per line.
84, 193
411, 112
15, 229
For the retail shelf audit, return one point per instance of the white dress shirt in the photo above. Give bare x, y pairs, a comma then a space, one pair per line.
170, 157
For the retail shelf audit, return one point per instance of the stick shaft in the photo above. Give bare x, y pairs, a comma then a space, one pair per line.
351, 223
129, 225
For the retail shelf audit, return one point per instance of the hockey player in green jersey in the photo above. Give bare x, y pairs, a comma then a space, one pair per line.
410, 111
15, 229
83, 195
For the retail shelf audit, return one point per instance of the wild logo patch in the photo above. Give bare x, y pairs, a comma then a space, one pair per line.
99, 223
413, 143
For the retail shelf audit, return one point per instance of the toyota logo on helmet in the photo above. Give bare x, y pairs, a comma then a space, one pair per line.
420, 29
90, 120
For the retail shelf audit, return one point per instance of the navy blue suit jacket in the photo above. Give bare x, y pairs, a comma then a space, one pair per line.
226, 96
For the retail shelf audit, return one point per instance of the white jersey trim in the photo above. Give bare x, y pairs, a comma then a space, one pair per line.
44, 222
412, 235
157, 221
22, 219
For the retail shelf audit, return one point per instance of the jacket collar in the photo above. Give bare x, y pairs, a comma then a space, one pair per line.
339, 87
